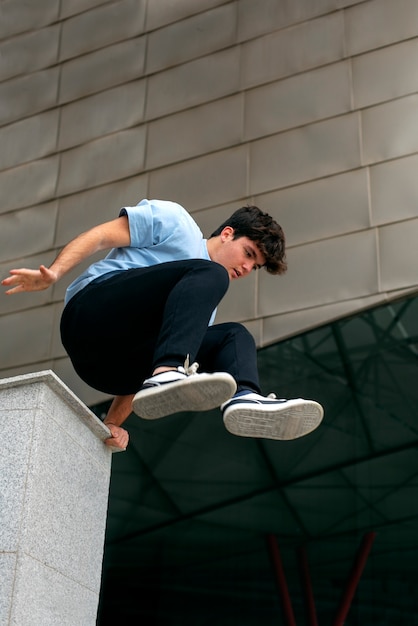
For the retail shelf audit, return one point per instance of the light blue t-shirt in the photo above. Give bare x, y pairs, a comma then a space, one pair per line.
161, 231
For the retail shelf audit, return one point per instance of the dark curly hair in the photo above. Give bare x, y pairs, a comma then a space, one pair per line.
260, 227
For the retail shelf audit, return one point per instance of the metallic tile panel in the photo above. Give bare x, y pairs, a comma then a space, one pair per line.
203, 181
29, 52
196, 82
103, 26
320, 209
385, 74
165, 11
29, 184
394, 190
378, 23
387, 130
291, 157
94, 116
199, 35
290, 51
102, 69
194, 132
331, 270
398, 253
299, 100
109, 158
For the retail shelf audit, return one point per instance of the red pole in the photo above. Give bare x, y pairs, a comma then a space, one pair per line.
307, 586
281, 580
354, 578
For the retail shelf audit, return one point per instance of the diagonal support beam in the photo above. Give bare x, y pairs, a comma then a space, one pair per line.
307, 586
281, 580
354, 578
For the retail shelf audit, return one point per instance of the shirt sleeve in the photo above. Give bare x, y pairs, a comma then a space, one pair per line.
140, 219
154, 222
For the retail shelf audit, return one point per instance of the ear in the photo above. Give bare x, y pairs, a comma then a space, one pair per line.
227, 233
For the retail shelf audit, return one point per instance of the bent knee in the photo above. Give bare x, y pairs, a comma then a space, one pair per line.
235, 328
215, 275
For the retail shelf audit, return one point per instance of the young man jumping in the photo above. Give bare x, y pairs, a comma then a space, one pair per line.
136, 324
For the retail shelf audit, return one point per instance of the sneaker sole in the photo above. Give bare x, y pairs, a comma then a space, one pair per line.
200, 392
296, 419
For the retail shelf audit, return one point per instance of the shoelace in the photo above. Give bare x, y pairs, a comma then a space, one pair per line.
188, 369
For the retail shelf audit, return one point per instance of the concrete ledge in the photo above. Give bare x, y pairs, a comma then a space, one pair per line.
54, 483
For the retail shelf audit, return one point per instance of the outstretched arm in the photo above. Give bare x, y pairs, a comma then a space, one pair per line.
113, 234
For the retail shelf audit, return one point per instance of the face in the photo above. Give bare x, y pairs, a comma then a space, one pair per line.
238, 256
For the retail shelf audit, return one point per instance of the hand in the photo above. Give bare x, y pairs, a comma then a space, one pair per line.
29, 280
119, 438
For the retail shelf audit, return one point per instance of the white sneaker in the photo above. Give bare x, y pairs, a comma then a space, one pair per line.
180, 390
253, 415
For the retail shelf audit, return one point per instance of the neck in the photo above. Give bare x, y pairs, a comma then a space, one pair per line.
212, 245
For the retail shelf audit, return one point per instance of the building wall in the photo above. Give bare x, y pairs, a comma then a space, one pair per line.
307, 108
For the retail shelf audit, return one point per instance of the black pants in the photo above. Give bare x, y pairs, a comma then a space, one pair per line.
117, 330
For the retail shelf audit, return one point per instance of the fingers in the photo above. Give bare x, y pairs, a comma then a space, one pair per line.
15, 274
119, 438
28, 280
14, 282
10, 279
15, 287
